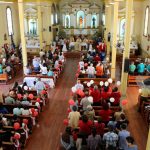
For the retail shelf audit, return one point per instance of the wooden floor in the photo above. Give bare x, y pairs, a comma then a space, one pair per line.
47, 135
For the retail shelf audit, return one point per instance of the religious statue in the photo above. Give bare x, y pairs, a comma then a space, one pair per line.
93, 22
67, 22
81, 22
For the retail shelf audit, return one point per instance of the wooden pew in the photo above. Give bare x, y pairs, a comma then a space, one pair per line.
96, 80
3, 78
39, 76
134, 80
10, 107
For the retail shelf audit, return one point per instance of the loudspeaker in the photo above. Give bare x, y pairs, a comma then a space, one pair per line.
126, 65
50, 29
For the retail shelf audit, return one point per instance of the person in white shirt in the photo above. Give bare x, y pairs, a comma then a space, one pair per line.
81, 64
42, 53
56, 65
43, 69
61, 57
90, 71
64, 49
79, 85
90, 47
39, 86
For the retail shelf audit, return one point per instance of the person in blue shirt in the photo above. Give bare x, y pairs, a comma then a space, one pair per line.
1, 69
130, 143
141, 68
148, 69
50, 73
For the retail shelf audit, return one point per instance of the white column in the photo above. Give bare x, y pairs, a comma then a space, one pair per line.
124, 76
114, 40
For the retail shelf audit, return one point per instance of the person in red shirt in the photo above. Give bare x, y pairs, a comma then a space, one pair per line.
99, 126
105, 113
106, 92
96, 96
97, 58
85, 125
116, 95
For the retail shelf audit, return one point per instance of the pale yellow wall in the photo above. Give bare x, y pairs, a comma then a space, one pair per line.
3, 24
138, 18
46, 18
144, 40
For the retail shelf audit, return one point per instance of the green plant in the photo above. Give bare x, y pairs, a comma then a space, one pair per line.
62, 33
97, 35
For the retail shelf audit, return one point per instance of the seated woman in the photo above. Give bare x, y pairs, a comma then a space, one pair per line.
116, 95
67, 139
10, 99
50, 73
28, 70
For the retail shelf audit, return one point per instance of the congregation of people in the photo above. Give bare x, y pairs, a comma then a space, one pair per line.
88, 128
19, 113
9, 61
139, 68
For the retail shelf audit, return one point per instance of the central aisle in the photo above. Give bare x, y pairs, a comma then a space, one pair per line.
47, 136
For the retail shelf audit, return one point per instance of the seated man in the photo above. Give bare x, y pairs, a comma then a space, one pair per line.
39, 86
132, 68
9, 99
36, 64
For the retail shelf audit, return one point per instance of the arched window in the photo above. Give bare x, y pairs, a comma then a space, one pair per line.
146, 21
9, 21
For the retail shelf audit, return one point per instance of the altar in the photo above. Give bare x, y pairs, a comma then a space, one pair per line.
79, 31
33, 45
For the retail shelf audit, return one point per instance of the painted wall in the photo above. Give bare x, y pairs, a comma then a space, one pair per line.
144, 40
3, 24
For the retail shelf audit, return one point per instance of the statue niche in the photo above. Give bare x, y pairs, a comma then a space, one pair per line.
80, 19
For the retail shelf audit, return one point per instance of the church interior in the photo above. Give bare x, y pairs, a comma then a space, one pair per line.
75, 75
